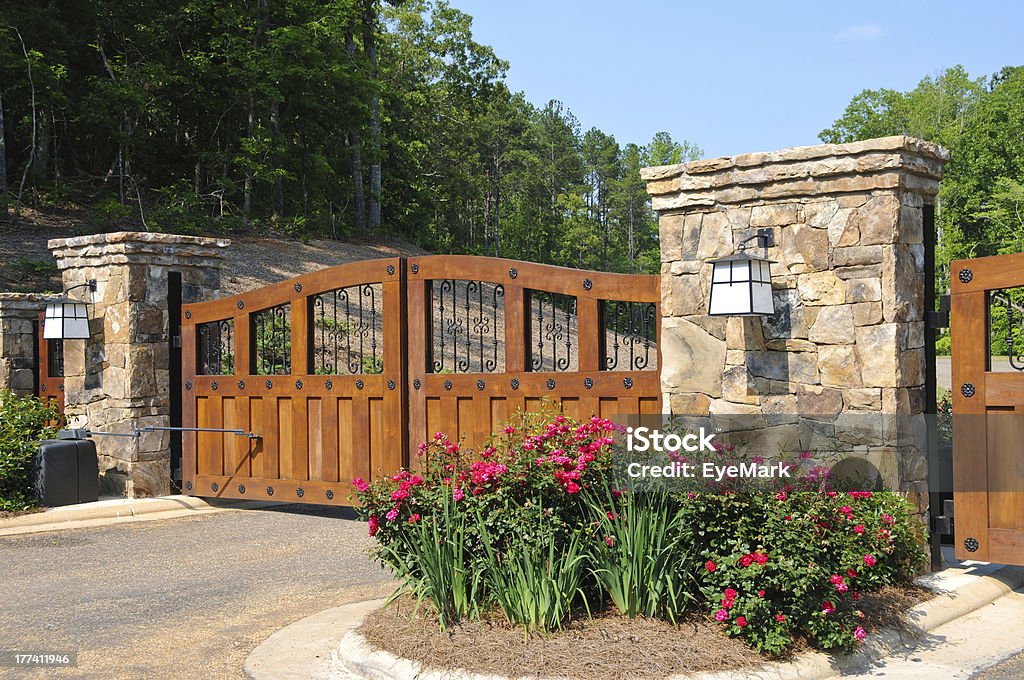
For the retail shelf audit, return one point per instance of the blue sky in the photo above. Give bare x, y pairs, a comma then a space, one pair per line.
735, 77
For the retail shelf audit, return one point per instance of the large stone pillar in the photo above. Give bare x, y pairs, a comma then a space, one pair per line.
19, 313
118, 380
847, 336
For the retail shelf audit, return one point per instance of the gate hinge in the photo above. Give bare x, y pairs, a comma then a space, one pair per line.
176, 342
943, 524
939, 319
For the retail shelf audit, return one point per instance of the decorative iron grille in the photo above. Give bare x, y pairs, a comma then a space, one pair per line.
468, 327
1006, 323
630, 335
271, 337
554, 330
55, 358
347, 327
216, 351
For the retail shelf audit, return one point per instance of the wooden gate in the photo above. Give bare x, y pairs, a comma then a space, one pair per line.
49, 369
341, 373
988, 408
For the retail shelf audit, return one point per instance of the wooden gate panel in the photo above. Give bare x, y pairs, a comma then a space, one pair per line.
470, 404
320, 387
988, 420
269, 362
50, 371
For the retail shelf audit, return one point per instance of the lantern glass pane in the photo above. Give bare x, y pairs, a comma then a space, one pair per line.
763, 303
76, 328
741, 270
730, 298
720, 273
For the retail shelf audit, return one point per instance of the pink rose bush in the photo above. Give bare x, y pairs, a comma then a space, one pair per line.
541, 503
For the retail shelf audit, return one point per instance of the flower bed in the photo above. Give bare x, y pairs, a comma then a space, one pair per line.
538, 526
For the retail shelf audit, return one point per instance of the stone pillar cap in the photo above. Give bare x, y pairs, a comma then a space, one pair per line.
898, 143
143, 240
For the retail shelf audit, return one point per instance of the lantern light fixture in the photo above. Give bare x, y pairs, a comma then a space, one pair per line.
741, 283
68, 319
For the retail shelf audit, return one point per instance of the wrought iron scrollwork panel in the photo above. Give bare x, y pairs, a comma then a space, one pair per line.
630, 342
216, 350
554, 332
1006, 315
468, 327
348, 330
271, 335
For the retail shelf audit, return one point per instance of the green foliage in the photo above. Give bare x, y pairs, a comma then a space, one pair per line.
198, 116
638, 564
23, 424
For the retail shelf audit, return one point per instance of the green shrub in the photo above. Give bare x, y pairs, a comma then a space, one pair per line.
23, 424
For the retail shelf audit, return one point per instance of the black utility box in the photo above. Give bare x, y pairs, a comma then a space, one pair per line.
67, 472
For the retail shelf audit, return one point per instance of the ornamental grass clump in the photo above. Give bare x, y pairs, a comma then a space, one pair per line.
539, 527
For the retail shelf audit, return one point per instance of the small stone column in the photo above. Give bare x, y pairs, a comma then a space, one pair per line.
19, 313
847, 335
118, 379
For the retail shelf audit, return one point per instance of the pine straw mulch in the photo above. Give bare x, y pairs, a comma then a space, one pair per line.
609, 646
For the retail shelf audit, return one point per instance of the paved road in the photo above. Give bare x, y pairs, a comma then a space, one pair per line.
181, 598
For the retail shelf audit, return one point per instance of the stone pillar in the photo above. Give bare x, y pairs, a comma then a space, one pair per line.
847, 335
19, 313
118, 379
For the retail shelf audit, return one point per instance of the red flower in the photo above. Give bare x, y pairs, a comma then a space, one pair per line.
360, 484
730, 594
741, 622
827, 607
780, 617
414, 517
852, 573
373, 524
762, 558
610, 541
710, 565
870, 560
860, 634
746, 560
859, 529
760, 593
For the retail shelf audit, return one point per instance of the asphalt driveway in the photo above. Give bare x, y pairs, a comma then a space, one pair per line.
180, 598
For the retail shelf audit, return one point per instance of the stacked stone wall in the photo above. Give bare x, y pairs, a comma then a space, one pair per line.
19, 315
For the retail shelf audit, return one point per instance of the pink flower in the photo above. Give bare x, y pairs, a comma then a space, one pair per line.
360, 484
827, 607
836, 579
780, 617
572, 487
414, 517
859, 529
842, 587
721, 615
730, 594
806, 455
870, 560
746, 560
710, 565
609, 541
762, 558
392, 515
457, 494
781, 496
856, 595
846, 510
741, 622
760, 593
399, 494
728, 602
852, 573
373, 524
860, 634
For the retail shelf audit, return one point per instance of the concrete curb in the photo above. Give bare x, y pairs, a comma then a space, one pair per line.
118, 510
353, 657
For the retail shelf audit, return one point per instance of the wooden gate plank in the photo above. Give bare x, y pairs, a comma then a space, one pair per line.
968, 316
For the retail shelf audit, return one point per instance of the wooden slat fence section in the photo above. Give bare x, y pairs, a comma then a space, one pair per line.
988, 420
50, 371
353, 366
